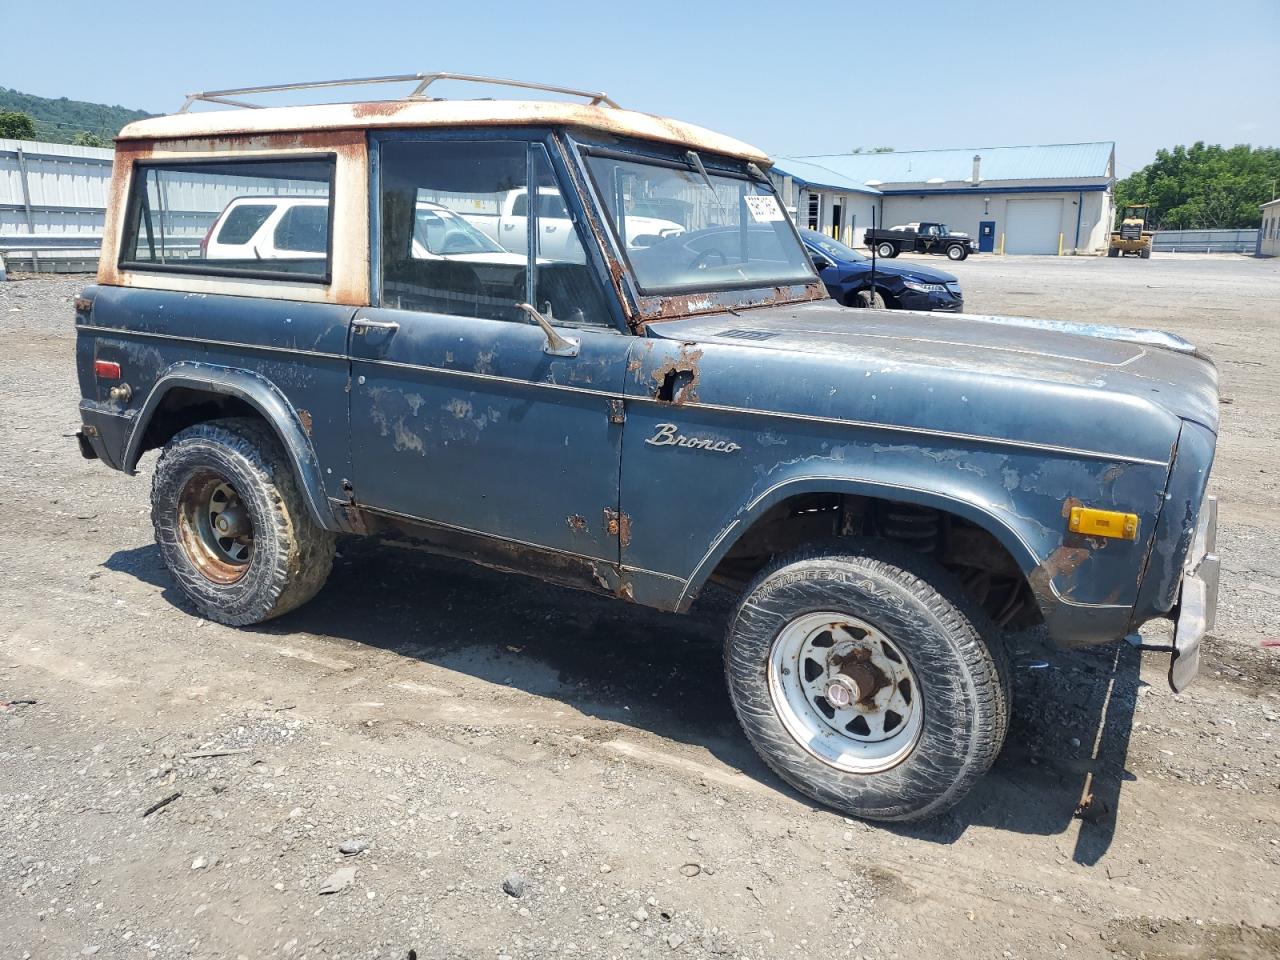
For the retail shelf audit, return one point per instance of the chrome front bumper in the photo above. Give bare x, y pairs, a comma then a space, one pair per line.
1199, 602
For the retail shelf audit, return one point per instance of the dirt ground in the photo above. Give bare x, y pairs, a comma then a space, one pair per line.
465, 726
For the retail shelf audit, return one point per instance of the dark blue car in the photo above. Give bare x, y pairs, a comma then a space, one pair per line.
900, 286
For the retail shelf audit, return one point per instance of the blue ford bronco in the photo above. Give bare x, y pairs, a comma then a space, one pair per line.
587, 344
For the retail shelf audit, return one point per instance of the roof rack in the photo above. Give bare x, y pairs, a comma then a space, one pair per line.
421, 81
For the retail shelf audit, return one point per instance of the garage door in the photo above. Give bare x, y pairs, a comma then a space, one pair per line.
1032, 226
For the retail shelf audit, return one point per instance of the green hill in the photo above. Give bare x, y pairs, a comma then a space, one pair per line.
58, 121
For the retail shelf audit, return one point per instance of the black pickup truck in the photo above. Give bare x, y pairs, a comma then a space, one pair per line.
920, 238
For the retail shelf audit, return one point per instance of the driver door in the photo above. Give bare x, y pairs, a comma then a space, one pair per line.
460, 418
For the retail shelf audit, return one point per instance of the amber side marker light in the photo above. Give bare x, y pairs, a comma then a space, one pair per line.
1103, 523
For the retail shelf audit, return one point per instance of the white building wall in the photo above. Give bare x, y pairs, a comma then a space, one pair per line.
66, 187
855, 211
963, 213
1269, 231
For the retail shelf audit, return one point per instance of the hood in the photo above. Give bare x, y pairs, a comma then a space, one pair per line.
1100, 388
640, 224
918, 271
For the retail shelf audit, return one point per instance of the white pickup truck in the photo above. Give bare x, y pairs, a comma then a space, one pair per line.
556, 240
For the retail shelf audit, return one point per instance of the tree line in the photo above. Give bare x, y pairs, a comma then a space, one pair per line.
1204, 187
25, 116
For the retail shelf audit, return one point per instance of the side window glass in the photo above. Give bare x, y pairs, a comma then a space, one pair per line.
443, 246
261, 218
449, 244
242, 222
303, 228
566, 286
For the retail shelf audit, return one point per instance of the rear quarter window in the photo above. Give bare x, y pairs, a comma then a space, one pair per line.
174, 206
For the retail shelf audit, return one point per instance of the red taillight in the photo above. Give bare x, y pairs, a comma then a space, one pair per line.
106, 369
204, 244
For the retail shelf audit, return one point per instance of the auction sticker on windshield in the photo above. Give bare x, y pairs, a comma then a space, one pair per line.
763, 207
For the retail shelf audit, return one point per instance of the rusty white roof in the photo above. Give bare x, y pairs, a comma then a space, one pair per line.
391, 114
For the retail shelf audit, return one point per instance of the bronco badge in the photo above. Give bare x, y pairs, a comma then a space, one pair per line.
668, 435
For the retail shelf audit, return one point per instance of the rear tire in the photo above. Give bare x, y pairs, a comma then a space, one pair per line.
1146, 253
924, 676
1112, 252
232, 526
887, 249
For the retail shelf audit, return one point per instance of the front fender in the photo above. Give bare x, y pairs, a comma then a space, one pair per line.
261, 394
753, 510
1085, 587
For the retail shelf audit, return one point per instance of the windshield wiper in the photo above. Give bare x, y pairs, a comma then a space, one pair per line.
696, 161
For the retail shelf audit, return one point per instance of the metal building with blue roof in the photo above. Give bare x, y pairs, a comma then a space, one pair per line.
1048, 199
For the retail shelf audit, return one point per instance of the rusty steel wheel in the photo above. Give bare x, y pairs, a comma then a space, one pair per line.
845, 692
215, 528
232, 525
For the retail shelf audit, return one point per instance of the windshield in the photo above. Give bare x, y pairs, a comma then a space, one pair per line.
443, 233
735, 234
832, 248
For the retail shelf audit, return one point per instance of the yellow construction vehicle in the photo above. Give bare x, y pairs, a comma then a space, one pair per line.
1133, 235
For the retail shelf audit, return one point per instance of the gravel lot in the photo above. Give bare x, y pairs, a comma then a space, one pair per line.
462, 729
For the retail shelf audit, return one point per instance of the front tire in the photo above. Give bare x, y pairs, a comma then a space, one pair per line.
957, 252
865, 679
232, 526
869, 299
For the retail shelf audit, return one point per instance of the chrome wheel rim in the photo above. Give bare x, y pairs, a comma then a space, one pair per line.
215, 528
845, 692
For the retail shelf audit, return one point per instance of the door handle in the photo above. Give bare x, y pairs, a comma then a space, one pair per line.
361, 325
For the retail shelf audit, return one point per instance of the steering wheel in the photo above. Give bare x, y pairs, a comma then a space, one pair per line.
703, 260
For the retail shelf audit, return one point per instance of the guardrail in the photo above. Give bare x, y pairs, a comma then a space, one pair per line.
42, 242
71, 252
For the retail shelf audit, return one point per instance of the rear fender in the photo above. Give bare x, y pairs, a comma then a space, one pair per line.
261, 394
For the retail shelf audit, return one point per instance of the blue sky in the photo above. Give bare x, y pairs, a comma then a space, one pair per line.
797, 78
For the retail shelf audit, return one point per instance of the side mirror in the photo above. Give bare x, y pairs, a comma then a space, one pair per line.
820, 262
556, 345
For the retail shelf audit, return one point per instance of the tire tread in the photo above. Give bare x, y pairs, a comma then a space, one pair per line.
979, 645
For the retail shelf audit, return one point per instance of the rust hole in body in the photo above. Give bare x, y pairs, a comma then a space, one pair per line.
618, 525
676, 381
